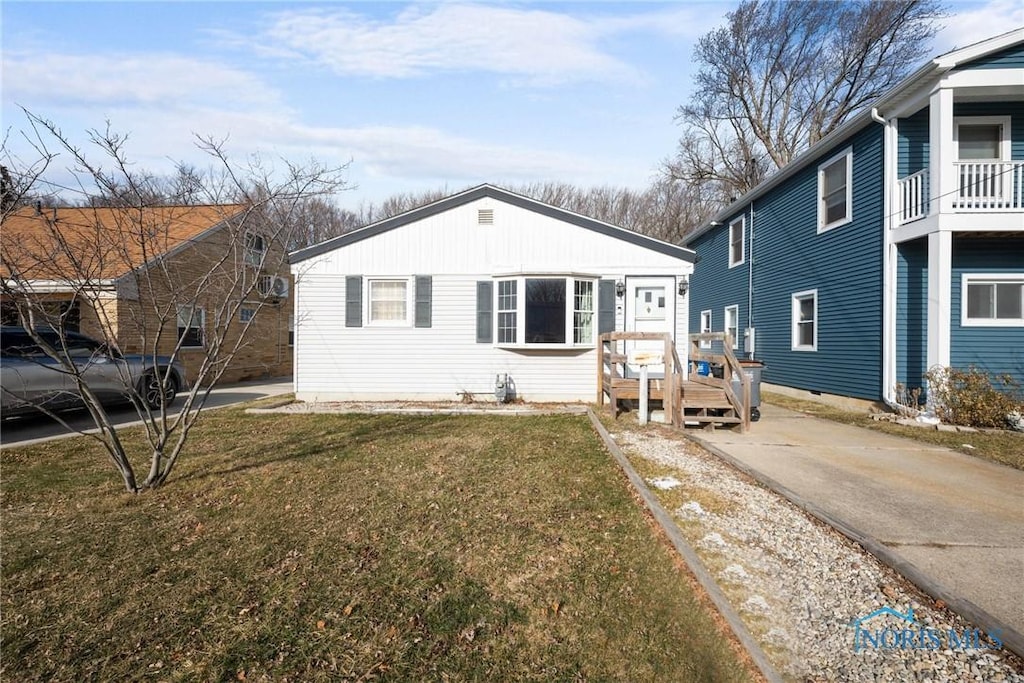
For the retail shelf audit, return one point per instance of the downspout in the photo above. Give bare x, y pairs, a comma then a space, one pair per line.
888, 279
750, 290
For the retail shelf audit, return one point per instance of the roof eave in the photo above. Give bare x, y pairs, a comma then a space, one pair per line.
492, 191
930, 71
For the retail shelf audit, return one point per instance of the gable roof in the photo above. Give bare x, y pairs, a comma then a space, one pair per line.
492, 192
921, 80
107, 242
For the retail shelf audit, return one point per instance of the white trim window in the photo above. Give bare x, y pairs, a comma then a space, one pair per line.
992, 300
982, 138
545, 311
247, 311
732, 324
835, 191
705, 328
388, 302
255, 249
583, 312
805, 321
737, 241
191, 326
508, 311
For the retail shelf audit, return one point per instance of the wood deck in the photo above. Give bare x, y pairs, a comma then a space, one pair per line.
699, 400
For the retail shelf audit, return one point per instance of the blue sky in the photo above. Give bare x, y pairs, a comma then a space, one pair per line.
418, 96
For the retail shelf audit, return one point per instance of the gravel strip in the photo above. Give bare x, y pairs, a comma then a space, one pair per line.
800, 585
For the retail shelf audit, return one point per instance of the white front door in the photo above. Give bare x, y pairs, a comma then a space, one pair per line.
650, 307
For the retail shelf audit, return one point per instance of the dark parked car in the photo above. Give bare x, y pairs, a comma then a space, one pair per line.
30, 379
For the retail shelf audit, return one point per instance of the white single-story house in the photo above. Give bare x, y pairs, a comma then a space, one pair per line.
439, 302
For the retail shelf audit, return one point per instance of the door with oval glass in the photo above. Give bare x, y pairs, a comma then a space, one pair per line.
650, 307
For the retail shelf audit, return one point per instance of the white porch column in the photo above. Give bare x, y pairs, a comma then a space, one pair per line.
940, 267
942, 154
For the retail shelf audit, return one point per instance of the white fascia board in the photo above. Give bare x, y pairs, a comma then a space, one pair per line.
955, 58
58, 286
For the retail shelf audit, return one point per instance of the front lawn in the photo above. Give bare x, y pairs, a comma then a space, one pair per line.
304, 547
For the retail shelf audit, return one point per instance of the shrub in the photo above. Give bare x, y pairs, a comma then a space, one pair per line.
973, 398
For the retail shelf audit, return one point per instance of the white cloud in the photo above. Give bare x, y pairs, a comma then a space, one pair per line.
974, 23
35, 79
538, 46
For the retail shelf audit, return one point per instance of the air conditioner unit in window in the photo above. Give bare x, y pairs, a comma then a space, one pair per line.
273, 286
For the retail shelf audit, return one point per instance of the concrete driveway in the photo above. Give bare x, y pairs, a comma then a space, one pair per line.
943, 518
28, 430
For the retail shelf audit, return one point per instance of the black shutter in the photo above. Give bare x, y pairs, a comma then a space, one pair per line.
484, 311
354, 301
605, 306
424, 290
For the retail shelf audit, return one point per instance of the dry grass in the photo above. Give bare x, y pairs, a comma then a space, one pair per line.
1002, 446
316, 547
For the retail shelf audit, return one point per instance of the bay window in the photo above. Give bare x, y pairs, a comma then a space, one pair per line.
545, 311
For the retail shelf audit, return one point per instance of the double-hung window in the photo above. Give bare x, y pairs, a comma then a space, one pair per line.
732, 324
835, 191
705, 328
247, 312
737, 235
255, 249
388, 302
992, 300
191, 323
548, 310
805, 321
508, 311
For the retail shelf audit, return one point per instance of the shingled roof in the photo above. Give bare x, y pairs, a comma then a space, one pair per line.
100, 243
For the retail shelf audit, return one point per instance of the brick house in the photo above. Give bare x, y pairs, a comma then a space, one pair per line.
156, 279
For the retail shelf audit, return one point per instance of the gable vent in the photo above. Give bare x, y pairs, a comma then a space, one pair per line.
485, 217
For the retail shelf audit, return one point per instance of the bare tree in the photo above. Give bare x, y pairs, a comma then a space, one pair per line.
779, 76
129, 258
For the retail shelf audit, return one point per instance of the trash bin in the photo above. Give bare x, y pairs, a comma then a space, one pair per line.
703, 368
752, 369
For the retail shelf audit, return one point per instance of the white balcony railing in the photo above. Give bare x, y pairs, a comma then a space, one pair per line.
981, 186
914, 202
989, 185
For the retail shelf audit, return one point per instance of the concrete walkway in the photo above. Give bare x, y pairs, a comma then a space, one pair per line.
952, 524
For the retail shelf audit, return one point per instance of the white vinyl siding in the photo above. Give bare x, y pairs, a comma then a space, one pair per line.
335, 362
992, 300
835, 191
805, 321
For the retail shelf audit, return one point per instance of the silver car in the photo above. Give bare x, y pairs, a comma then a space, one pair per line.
30, 379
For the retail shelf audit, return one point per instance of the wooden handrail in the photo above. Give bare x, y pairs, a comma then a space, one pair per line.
610, 357
731, 368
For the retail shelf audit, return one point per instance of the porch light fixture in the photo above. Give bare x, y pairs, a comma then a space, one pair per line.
620, 289
684, 286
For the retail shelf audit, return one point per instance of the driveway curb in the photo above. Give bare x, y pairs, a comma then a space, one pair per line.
1012, 639
707, 582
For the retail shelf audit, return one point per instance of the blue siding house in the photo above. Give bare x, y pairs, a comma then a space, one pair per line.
893, 245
